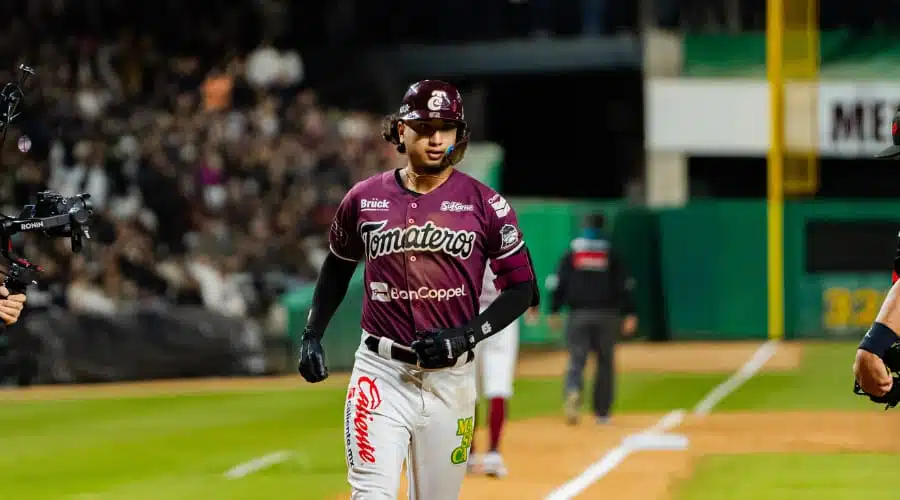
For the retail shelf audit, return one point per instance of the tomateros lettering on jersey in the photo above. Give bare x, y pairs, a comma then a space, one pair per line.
383, 292
379, 241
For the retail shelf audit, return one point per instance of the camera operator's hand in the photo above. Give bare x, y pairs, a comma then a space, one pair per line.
10, 305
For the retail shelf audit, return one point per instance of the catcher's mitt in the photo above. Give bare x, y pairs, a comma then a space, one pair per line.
892, 362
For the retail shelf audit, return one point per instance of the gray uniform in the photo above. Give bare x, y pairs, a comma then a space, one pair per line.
592, 330
593, 284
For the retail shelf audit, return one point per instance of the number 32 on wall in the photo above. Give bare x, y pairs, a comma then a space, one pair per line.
845, 308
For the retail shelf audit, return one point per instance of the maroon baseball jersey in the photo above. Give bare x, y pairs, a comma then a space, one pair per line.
425, 254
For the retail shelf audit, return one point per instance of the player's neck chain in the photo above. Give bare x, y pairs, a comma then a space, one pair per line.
412, 179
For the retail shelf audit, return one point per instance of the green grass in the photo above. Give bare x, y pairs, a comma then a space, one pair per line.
636, 392
784, 476
178, 447
171, 447
823, 382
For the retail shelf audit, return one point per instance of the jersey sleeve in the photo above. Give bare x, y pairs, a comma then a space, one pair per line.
344, 240
506, 248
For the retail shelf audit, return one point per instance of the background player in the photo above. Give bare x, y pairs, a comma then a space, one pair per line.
495, 367
426, 233
593, 282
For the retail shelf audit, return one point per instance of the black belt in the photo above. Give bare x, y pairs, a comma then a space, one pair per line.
402, 353
397, 351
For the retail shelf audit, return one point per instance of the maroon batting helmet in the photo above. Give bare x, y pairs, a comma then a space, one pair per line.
429, 100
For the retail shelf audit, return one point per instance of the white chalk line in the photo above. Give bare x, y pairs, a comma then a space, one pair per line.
257, 464
745, 373
654, 437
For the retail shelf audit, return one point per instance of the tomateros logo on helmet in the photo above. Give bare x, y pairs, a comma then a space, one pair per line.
438, 100
428, 238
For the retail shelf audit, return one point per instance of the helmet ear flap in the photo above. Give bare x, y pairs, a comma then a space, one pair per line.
391, 132
464, 132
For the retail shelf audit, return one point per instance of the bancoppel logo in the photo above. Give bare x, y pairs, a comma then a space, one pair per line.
382, 292
374, 205
455, 206
500, 205
428, 238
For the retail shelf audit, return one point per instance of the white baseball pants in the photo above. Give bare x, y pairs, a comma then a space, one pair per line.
396, 411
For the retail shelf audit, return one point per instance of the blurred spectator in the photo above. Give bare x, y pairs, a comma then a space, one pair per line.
217, 90
264, 65
269, 68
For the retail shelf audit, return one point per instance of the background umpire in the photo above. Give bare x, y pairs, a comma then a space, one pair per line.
593, 283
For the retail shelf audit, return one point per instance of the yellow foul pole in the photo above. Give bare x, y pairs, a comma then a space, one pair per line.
775, 167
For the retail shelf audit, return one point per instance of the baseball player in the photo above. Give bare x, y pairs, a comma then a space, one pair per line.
495, 366
876, 356
426, 233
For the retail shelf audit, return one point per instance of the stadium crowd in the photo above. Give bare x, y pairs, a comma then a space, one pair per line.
215, 173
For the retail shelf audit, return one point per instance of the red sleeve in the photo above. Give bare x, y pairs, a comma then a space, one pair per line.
343, 238
506, 245
894, 275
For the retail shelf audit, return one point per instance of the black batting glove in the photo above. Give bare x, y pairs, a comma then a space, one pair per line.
440, 348
312, 358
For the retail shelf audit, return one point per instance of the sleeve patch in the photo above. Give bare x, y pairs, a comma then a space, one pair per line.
500, 205
509, 236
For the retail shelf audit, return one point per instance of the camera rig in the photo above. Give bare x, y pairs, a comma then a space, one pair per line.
52, 215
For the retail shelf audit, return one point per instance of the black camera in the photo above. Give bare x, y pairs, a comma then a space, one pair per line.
75, 212
49, 204
53, 215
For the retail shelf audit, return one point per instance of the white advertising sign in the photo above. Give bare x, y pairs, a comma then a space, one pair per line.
712, 117
720, 117
855, 117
